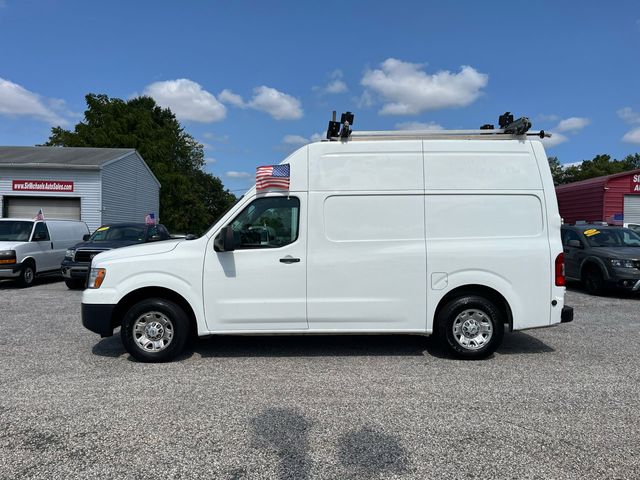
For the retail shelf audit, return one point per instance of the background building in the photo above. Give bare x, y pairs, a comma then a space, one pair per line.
611, 198
95, 185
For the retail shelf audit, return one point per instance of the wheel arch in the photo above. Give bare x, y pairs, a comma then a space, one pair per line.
480, 290
135, 296
593, 262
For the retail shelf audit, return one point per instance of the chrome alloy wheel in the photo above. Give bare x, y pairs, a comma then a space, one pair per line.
153, 331
472, 329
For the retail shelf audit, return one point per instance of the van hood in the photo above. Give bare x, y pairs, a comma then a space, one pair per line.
7, 245
153, 248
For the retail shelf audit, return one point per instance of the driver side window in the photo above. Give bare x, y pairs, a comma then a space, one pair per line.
40, 233
268, 222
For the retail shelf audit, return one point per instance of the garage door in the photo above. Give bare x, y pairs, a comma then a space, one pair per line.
52, 207
632, 208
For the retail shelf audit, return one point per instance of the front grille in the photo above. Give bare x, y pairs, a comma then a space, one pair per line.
85, 256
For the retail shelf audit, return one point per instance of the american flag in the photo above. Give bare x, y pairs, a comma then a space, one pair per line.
150, 219
273, 176
39, 215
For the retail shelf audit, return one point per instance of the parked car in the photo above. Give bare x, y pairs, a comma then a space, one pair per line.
31, 248
77, 259
633, 226
602, 257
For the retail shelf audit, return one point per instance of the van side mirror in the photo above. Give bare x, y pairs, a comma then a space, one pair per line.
575, 244
190, 236
225, 241
86, 237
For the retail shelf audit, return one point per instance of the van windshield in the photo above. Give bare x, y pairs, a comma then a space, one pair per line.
15, 230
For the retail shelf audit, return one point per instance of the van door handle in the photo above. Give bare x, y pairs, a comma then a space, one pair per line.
289, 259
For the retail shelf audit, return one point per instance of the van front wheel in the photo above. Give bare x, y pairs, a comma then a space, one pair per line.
471, 327
27, 274
155, 330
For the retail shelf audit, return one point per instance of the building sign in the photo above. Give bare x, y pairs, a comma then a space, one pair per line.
635, 183
42, 186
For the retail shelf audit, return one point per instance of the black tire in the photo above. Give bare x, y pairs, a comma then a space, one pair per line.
593, 280
27, 274
73, 284
156, 318
454, 331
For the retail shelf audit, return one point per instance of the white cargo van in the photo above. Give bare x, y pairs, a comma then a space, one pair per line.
409, 233
31, 248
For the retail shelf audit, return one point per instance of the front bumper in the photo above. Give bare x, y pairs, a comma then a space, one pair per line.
567, 314
73, 270
10, 270
625, 278
98, 318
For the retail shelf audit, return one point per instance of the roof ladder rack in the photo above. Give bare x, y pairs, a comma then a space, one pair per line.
508, 129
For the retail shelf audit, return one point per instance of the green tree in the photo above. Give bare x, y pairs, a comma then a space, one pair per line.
600, 165
557, 172
190, 199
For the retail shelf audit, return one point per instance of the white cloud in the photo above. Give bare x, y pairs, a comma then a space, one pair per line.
418, 126
632, 136
210, 160
628, 115
295, 140
277, 104
266, 99
318, 137
233, 174
16, 100
556, 139
572, 164
572, 124
227, 96
336, 84
409, 90
187, 99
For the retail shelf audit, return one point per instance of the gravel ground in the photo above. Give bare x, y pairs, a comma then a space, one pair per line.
557, 403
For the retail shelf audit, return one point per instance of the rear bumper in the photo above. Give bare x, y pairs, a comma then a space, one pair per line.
566, 315
97, 318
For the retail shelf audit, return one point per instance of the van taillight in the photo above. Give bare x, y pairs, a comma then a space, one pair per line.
560, 281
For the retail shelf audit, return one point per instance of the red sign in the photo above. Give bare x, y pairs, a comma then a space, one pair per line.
42, 186
635, 183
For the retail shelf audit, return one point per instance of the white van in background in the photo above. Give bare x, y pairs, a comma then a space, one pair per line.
402, 232
30, 248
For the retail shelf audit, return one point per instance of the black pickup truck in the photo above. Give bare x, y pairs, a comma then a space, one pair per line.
602, 256
77, 260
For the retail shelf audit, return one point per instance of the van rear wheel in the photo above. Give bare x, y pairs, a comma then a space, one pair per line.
155, 330
471, 327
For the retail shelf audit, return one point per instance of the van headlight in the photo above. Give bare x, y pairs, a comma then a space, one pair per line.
621, 263
7, 256
70, 253
96, 277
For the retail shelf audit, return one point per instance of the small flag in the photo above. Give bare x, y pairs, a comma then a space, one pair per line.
150, 219
39, 216
273, 176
